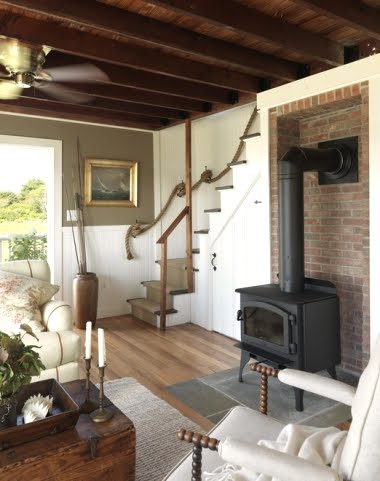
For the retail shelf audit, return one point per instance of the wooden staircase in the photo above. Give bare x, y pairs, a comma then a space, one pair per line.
148, 308
176, 270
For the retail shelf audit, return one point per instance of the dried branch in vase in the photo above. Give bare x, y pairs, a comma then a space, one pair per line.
77, 221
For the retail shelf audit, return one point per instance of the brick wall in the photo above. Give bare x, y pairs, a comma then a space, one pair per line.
336, 216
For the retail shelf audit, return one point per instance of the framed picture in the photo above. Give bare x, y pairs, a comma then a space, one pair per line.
110, 183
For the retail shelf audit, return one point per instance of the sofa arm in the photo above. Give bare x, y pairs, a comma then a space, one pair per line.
260, 459
57, 316
330, 388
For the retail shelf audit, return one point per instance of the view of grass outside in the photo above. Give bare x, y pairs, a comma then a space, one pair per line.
23, 222
23, 213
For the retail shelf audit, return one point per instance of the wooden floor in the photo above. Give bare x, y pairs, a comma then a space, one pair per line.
158, 359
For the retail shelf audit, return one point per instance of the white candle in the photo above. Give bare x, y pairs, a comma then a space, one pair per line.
104, 348
101, 344
88, 340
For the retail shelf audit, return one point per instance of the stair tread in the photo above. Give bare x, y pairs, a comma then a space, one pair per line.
179, 263
157, 285
250, 136
224, 187
217, 209
239, 162
202, 231
149, 306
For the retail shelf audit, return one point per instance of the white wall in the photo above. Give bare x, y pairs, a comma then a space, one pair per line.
214, 142
119, 279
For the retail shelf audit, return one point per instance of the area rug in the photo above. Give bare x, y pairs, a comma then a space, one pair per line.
213, 395
156, 422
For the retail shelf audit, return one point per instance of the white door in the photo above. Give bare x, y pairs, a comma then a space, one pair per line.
241, 259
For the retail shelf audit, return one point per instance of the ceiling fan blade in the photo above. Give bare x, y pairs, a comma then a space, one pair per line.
84, 72
9, 90
65, 94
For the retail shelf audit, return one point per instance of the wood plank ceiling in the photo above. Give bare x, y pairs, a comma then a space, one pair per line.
168, 60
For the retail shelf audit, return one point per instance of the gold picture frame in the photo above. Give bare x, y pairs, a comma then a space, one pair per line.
111, 183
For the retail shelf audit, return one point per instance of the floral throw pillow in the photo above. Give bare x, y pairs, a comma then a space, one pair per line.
20, 301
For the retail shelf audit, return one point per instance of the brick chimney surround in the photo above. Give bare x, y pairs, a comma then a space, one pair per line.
336, 216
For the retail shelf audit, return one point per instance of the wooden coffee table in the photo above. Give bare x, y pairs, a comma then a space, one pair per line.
88, 452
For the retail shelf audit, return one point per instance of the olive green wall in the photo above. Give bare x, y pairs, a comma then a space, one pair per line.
101, 143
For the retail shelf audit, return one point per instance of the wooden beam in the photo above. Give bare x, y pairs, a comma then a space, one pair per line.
189, 217
348, 12
78, 112
163, 278
259, 26
113, 105
126, 76
116, 21
116, 92
82, 118
82, 43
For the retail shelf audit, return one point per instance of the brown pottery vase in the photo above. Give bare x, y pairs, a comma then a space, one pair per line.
85, 299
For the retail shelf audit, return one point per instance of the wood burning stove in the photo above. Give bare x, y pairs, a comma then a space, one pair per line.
295, 323
300, 331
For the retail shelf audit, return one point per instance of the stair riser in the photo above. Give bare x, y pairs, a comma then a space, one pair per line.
154, 295
177, 277
144, 315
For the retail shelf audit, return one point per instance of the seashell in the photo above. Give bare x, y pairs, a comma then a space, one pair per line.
37, 407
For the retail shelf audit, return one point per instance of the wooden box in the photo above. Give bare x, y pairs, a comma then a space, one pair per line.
65, 415
88, 452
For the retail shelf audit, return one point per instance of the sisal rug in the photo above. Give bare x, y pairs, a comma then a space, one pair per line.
156, 422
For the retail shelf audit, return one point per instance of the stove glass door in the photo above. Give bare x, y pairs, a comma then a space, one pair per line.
266, 325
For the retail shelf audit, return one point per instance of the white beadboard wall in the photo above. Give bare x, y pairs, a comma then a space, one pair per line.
119, 279
214, 142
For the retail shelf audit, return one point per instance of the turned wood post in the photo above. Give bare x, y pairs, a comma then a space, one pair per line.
199, 441
265, 371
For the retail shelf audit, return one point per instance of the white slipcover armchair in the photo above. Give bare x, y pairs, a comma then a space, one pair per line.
60, 345
356, 453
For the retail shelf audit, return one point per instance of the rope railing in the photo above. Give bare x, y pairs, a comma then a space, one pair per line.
179, 190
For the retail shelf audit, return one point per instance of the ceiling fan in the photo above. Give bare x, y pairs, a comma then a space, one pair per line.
23, 68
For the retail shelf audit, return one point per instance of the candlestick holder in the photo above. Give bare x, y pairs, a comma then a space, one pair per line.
88, 404
101, 414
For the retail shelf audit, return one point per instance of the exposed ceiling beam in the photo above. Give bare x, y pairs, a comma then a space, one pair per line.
129, 94
126, 76
251, 22
78, 42
120, 22
350, 12
23, 107
113, 105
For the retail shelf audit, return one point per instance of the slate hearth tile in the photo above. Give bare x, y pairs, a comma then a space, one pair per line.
202, 398
215, 418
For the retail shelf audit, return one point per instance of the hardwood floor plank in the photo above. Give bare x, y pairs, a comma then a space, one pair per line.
158, 359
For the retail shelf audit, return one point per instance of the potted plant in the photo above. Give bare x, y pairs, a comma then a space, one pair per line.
18, 363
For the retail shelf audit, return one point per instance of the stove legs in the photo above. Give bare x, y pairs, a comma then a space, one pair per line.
332, 371
244, 358
298, 394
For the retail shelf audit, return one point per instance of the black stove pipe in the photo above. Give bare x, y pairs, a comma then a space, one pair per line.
291, 207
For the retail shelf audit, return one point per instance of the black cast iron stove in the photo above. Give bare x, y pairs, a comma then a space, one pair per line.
295, 323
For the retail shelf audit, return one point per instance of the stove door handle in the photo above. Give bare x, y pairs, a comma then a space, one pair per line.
239, 315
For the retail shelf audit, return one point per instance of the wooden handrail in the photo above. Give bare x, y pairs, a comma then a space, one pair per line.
173, 225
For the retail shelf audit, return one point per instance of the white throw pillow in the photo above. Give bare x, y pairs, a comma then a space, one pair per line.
20, 301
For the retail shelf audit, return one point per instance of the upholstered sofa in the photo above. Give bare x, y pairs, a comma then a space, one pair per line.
236, 449
25, 296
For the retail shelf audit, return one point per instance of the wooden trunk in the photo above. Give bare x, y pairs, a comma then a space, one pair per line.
88, 452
